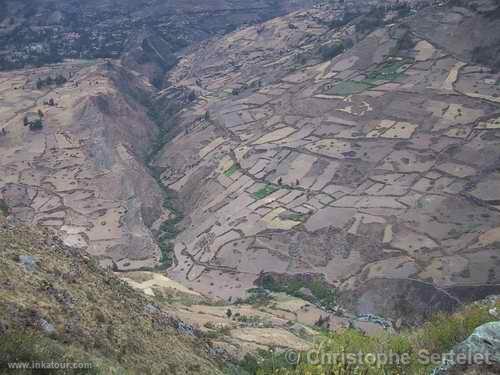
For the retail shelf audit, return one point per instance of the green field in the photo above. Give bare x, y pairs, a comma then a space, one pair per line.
389, 71
232, 170
345, 88
265, 191
296, 217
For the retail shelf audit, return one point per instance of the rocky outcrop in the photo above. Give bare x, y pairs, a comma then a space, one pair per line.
413, 301
479, 354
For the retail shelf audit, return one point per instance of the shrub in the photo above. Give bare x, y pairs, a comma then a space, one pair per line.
22, 347
438, 336
4, 209
442, 332
329, 52
257, 297
36, 125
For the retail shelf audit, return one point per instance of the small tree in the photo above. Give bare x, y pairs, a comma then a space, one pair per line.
229, 313
4, 209
60, 80
40, 113
329, 52
36, 125
191, 97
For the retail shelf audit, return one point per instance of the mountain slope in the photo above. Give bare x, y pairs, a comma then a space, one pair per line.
84, 173
297, 174
42, 31
367, 168
54, 296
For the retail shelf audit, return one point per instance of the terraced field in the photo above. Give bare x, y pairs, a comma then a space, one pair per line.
377, 169
82, 174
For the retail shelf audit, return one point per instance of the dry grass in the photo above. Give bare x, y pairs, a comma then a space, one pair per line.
90, 311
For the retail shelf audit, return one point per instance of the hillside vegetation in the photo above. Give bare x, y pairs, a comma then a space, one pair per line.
57, 305
436, 337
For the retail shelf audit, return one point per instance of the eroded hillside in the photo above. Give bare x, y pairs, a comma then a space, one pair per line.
83, 173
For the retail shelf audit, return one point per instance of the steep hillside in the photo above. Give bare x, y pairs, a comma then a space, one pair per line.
59, 305
148, 34
211, 190
42, 31
312, 149
83, 171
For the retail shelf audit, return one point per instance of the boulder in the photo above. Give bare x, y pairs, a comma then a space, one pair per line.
29, 262
46, 326
478, 354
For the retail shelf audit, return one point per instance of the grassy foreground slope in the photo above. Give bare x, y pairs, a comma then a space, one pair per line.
57, 305
417, 351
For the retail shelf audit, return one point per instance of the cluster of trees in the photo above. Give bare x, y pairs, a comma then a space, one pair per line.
328, 52
487, 56
348, 17
371, 21
34, 123
314, 290
376, 17
21, 55
59, 80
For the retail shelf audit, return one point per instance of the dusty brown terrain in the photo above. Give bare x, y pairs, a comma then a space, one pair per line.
280, 321
377, 168
290, 177
374, 168
83, 174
